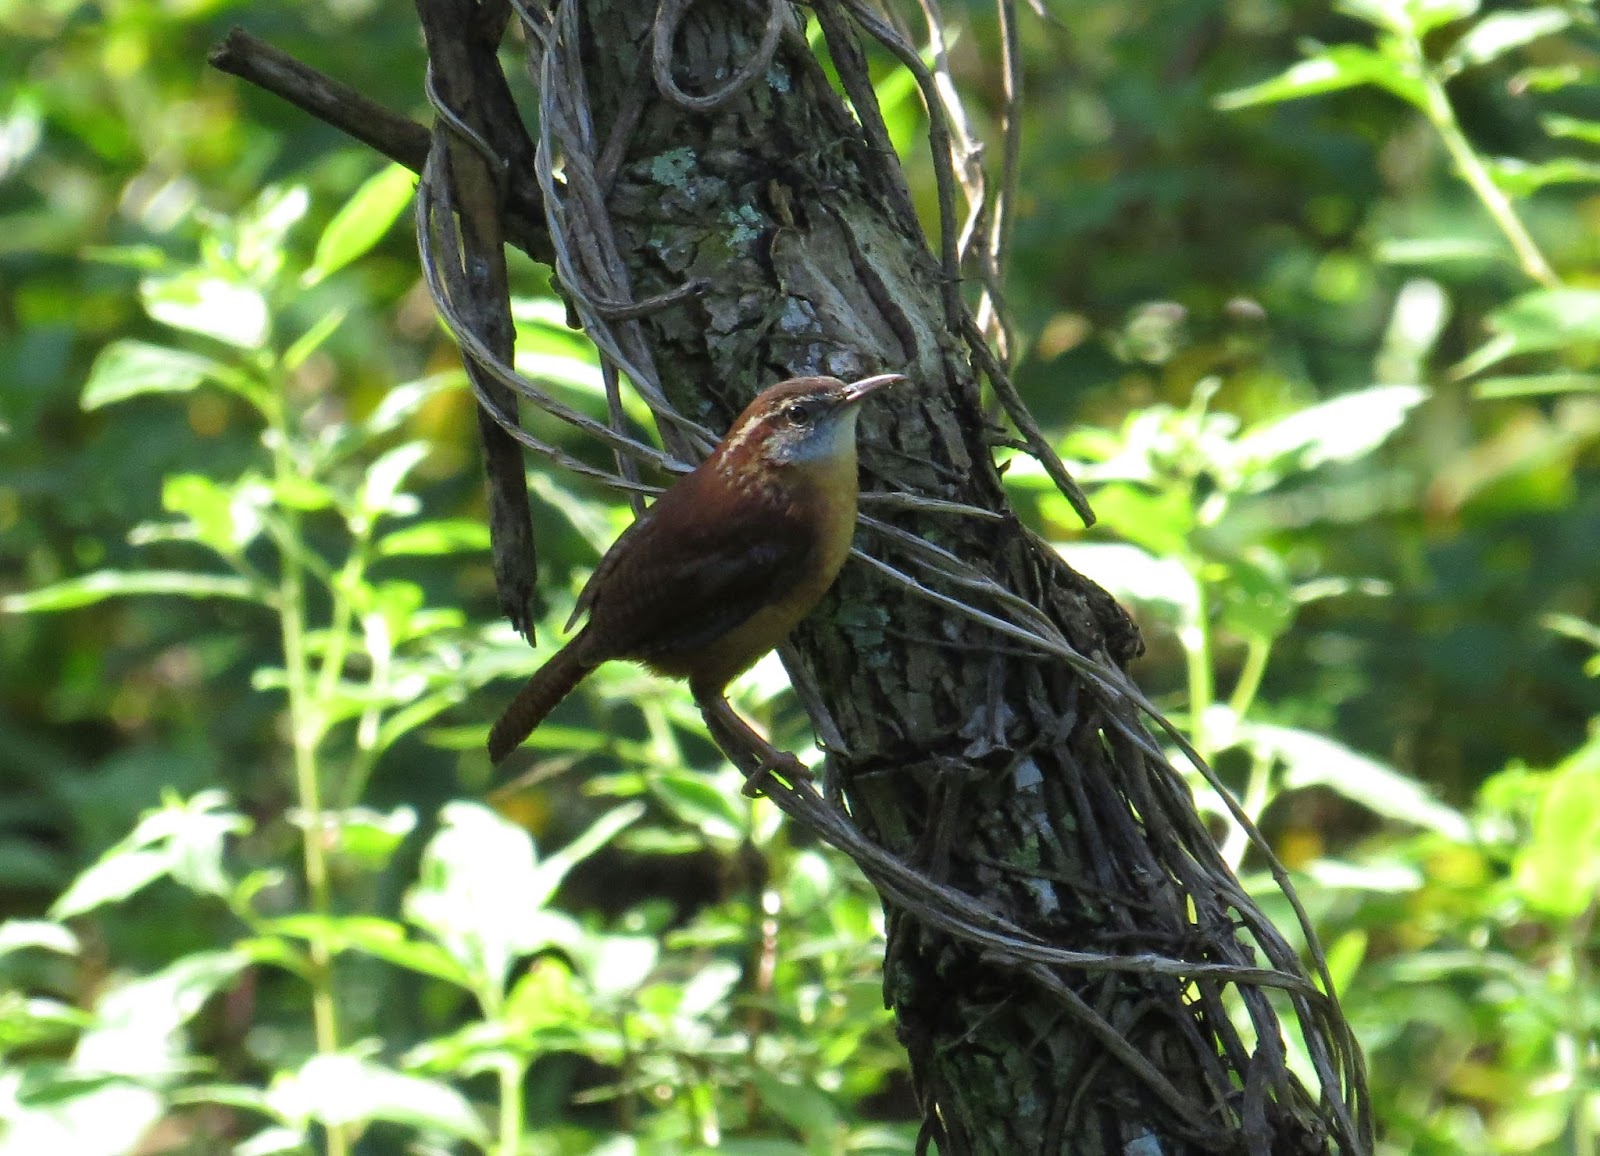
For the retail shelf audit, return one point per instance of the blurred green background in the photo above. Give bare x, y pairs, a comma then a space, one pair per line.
1342, 436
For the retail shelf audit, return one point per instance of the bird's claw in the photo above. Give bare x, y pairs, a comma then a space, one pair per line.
780, 762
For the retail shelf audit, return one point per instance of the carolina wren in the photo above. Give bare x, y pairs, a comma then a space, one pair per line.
723, 566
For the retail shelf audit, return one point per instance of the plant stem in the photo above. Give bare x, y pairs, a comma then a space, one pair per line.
1442, 116
1257, 650
512, 1069
305, 726
1196, 640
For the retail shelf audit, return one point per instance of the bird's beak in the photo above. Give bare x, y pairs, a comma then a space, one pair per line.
867, 386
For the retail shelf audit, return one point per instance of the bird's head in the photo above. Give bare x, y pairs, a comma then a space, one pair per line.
804, 420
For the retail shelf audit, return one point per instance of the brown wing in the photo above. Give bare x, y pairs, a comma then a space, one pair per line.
688, 572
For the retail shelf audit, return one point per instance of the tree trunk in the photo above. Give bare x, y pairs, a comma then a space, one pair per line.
1003, 773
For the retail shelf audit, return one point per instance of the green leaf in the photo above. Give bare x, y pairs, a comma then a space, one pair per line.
549, 874
1557, 871
361, 222
1391, 15
111, 880
1341, 430
371, 837
264, 228
34, 1022
17, 934
472, 893
311, 340
405, 400
718, 812
225, 518
1414, 18
615, 965
446, 536
212, 306
811, 1111
382, 938
1436, 250
273, 1141
345, 1089
127, 369
1536, 384
1159, 521
122, 583
1537, 322
1257, 600
136, 1023
103, 584
1132, 574
1342, 66
1314, 760
380, 490
1570, 127
1522, 179
1426, 15
1501, 32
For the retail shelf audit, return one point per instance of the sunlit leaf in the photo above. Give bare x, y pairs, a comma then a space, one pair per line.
1587, 131
1426, 15
446, 536
472, 893
1340, 430
198, 302
362, 221
224, 517
716, 810
405, 400
17, 934
1339, 67
545, 998
311, 340
1134, 575
264, 228
1521, 178
1501, 32
808, 1109
382, 938
1160, 521
111, 880
708, 988
615, 965
385, 476
1536, 322
1314, 760
1557, 871
553, 869
272, 1141
1437, 250
371, 837
135, 1023
345, 1089
127, 369
1536, 384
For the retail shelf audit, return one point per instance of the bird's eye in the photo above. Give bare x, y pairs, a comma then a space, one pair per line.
798, 413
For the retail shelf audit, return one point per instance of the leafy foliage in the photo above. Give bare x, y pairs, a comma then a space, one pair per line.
1323, 356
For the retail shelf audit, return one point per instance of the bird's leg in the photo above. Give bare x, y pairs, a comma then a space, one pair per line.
751, 753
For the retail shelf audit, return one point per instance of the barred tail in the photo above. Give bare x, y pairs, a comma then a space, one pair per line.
551, 683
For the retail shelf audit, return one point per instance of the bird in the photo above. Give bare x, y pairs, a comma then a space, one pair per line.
722, 567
